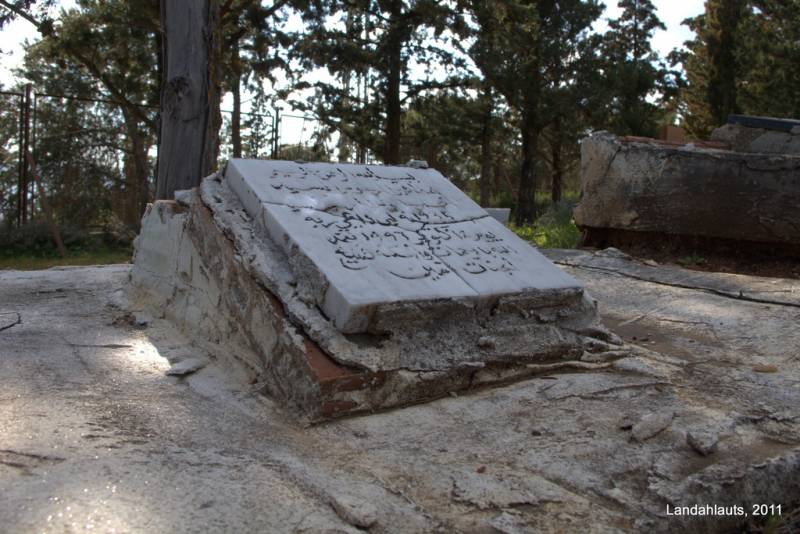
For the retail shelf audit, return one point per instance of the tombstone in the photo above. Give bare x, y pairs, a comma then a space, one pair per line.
346, 288
501, 215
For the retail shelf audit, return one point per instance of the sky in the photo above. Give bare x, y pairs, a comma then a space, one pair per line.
671, 12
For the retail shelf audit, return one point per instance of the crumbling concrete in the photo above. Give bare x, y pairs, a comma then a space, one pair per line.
207, 264
663, 189
96, 435
760, 134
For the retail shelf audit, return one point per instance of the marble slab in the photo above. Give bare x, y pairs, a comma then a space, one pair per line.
372, 236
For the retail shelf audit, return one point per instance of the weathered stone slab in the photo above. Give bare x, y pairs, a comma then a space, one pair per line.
500, 214
688, 191
760, 140
766, 123
368, 237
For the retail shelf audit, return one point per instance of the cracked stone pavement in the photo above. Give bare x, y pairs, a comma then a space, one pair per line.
95, 435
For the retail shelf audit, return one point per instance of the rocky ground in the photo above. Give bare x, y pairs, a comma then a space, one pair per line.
94, 434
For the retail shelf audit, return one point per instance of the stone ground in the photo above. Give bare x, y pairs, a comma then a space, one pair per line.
94, 435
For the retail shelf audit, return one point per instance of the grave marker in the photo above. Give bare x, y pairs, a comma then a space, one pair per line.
374, 236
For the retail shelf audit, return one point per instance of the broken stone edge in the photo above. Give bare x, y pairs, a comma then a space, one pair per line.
207, 267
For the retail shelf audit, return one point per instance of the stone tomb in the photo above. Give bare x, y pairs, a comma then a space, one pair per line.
375, 236
347, 288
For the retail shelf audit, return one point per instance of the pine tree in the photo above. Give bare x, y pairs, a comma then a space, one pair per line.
632, 74
769, 55
714, 66
527, 52
253, 39
372, 41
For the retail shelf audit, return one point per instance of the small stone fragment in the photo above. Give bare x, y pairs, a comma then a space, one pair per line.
141, 319
506, 523
356, 512
186, 367
637, 365
183, 197
626, 423
703, 441
763, 368
651, 425
650, 263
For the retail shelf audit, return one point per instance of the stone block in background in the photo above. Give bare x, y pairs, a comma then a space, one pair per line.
643, 186
501, 215
763, 135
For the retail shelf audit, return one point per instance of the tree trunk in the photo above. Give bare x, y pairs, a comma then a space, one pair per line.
394, 58
557, 163
486, 151
722, 98
160, 78
526, 200
137, 176
236, 116
190, 116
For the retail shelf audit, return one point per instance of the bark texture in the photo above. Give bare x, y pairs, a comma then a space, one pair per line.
526, 203
486, 151
394, 59
236, 89
556, 162
190, 115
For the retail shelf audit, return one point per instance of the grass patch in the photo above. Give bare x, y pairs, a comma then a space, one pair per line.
692, 260
554, 229
30, 261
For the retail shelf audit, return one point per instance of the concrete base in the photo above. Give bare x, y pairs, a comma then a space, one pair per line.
208, 267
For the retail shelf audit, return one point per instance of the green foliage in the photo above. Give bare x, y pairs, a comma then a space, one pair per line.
554, 229
35, 239
442, 129
535, 54
712, 67
9, 158
100, 256
770, 60
304, 153
745, 58
504, 128
367, 46
38, 10
93, 153
692, 259
635, 77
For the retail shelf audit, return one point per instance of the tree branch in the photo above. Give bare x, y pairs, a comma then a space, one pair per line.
42, 26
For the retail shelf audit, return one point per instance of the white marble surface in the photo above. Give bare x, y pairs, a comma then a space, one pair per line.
381, 235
